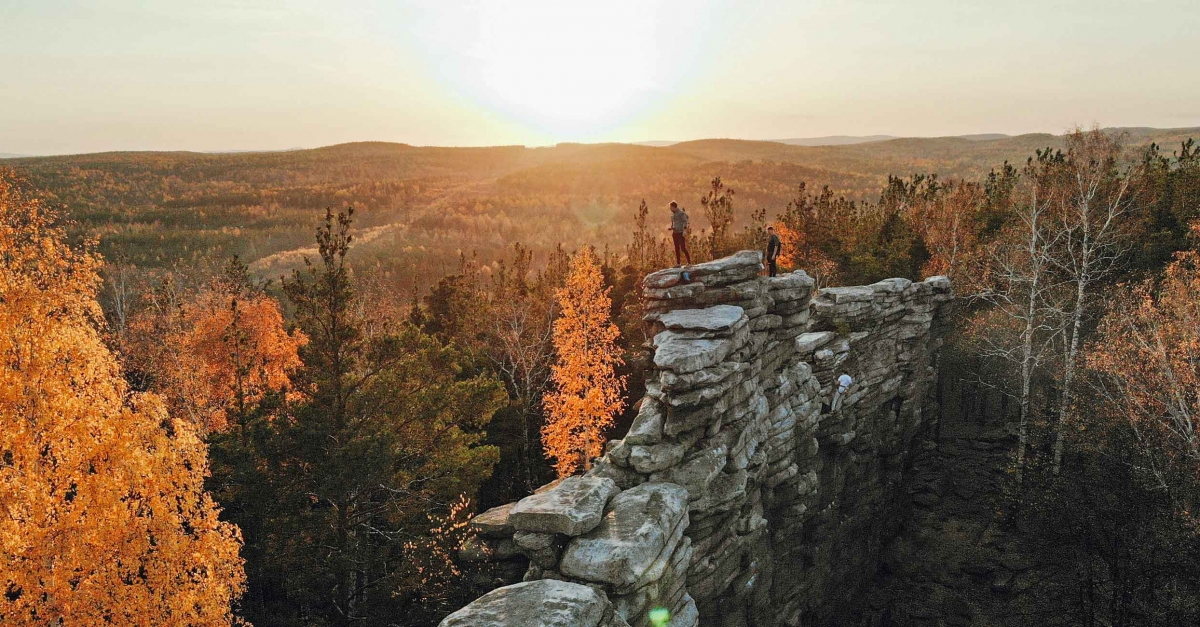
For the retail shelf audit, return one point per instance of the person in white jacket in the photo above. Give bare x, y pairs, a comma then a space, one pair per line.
843, 383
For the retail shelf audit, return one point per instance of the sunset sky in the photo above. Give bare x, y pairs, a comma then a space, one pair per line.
256, 74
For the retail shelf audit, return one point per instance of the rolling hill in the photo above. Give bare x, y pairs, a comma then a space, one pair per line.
421, 208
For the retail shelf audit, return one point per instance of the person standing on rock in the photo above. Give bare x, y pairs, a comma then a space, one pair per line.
679, 225
773, 247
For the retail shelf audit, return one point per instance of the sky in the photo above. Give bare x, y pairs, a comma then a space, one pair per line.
90, 76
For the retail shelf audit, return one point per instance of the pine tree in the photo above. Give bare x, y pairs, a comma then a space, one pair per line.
105, 519
587, 390
718, 208
386, 436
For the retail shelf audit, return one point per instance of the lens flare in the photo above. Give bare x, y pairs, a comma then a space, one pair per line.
660, 616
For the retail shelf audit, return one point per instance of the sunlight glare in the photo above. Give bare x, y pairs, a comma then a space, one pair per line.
570, 70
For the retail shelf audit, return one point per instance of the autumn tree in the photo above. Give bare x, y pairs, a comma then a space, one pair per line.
1120, 518
105, 517
587, 390
1147, 354
216, 351
837, 240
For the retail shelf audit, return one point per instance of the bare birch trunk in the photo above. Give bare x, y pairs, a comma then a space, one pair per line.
1026, 380
1064, 405
1028, 357
1097, 204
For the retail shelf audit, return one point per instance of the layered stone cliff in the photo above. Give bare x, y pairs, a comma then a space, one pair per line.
750, 489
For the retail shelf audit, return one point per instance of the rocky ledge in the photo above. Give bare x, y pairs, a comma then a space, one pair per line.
742, 493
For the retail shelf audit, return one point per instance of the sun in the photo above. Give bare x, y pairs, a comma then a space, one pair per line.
565, 70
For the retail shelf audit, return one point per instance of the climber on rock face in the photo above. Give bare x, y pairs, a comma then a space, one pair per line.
679, 225
773, 247
843, 383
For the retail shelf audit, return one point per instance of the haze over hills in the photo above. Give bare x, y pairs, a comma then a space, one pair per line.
1134, 134
828, 140
834, 140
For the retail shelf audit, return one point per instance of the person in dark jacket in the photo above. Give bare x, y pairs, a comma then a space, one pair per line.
679, 225
773, 246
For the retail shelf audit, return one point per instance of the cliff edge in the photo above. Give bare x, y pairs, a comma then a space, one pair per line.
754, 487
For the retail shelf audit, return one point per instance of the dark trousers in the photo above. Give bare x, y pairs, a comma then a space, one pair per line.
771, 266
680, 246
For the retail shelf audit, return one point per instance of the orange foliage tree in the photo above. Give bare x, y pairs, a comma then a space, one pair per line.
587, 390
104, 516
1148, 356
218, 352
793, 248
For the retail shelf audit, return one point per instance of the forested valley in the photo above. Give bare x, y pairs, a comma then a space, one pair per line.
274, 387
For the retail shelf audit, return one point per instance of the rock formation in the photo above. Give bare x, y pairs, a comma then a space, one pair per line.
741, 495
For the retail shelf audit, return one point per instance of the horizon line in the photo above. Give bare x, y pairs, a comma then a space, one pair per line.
843, 140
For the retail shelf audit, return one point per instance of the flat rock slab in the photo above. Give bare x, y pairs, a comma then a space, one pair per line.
746, 259
676, 292
791, 280
809, 342
938, 283
631, 538
674, 382
573, 507
494, 523
541, 603
749, 261
672, 352
839, 295
891, 286
713, 319
663, 278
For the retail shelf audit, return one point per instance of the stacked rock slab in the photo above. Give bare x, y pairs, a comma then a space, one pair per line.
742, 494
585, 531
544, 603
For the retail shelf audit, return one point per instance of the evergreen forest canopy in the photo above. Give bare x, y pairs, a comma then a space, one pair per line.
466, 325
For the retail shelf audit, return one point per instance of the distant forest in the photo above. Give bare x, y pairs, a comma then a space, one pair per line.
420, 209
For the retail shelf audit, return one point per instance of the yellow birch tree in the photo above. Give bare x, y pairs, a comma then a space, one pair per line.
103, 515
586, 391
